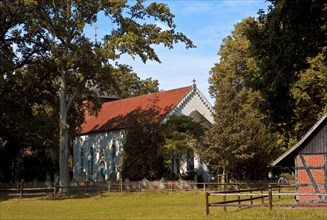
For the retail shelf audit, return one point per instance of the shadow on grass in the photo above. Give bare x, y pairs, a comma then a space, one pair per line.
73, 196
61, 196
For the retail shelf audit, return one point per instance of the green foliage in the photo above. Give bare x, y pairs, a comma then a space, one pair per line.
27, 122
281, 40
183, 137
128, 84
47, 37
310, 95
239, 142
141, 158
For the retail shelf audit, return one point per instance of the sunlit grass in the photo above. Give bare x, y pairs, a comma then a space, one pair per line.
146, 205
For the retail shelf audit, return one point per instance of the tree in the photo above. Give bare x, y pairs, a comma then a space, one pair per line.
310, 96
52, 33
28, 122
183, 137
141, 158
128, 84
281, 40
239, 142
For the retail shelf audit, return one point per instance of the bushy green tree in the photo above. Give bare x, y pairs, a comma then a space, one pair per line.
310, 96
126, 83
141, 158
240, 144
281, 41
50, 34
183, 138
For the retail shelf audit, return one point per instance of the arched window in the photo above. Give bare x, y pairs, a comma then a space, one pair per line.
91, 160
82, 159
113, 158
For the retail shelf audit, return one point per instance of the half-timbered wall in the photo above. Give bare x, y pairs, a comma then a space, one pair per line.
311, 176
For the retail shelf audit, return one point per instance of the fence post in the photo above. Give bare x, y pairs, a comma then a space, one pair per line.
270, 199
224, 199
262, 200
204, 187
54, 191
279, 190
239, 197
207, 203
21, 188
121, 185
251, 201
172, 187
17, 187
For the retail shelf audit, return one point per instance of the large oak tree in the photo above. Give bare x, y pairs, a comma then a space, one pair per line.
51, 34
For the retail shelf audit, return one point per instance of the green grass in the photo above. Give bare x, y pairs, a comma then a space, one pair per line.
146, 205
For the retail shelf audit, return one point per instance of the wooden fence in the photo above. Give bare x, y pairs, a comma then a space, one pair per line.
258, 194
22, 191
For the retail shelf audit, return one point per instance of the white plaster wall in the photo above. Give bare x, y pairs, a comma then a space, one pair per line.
194, 101
99, 141
105, 140
202, 169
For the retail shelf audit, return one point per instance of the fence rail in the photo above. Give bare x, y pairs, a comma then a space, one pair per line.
21, 191
264, 193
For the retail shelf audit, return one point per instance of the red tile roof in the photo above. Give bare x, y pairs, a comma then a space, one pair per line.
113, 115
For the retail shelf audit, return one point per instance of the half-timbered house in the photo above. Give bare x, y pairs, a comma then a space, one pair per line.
309, 159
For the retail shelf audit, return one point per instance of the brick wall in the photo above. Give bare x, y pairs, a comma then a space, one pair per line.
315, 170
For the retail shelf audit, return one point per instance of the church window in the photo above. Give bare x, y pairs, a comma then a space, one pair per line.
113, 158
91, 160
82, 159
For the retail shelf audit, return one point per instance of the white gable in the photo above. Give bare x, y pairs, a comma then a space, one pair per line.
194, 101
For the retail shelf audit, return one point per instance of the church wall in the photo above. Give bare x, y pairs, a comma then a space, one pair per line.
91, 149
194, 101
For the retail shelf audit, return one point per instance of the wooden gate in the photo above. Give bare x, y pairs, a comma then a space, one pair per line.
311, 176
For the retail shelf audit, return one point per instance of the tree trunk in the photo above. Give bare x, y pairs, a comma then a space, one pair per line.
63, 137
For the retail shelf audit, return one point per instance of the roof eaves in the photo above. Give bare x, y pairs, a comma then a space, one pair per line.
296, 146
179, 104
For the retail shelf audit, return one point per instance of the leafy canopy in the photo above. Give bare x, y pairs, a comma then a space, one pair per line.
41, 35
239, 143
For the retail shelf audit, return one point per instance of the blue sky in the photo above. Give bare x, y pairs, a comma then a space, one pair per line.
206, 23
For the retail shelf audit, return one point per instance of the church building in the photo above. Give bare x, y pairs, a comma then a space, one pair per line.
97, 149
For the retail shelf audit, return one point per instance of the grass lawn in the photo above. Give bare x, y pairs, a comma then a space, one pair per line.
145, 205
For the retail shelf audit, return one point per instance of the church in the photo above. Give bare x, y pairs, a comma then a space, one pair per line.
98, 147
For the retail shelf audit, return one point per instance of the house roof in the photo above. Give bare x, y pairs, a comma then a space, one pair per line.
281, 160
114, 115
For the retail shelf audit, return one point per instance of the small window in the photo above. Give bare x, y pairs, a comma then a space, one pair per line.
91, 160
82, 159
113, 158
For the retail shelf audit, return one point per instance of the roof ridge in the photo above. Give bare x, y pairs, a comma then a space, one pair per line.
155, 93
112, 114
